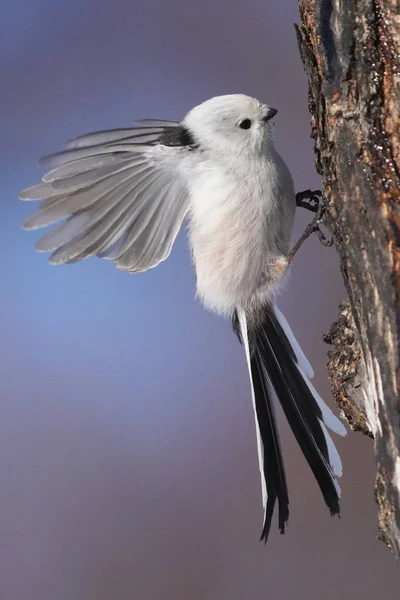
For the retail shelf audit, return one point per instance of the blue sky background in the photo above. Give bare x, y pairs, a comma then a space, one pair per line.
128, 461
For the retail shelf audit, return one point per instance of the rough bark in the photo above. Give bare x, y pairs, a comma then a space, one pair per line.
350, 52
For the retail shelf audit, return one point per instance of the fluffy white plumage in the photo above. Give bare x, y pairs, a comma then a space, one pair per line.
234, 200
123, 195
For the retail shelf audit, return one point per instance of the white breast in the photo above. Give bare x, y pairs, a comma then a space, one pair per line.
233, 230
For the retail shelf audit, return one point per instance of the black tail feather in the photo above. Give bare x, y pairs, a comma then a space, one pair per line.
273, 467
273, 364
274, 471
299, 405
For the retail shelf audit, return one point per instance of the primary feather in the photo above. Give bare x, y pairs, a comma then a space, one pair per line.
119, 190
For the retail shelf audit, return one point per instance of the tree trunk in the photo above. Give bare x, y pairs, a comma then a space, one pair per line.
350, 51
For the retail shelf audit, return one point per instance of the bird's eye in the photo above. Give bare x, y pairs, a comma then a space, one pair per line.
245, 124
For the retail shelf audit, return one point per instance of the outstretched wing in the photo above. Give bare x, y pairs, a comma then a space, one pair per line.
118, 194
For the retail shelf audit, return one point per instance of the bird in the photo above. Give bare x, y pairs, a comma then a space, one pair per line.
123, 195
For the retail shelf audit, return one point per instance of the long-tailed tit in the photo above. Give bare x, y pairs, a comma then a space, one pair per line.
123, 195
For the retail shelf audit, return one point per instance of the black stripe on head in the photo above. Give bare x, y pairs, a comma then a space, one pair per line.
178, 136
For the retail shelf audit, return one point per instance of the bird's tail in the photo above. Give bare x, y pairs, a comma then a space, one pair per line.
277, 363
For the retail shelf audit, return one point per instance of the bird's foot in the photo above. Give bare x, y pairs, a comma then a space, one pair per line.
313, 227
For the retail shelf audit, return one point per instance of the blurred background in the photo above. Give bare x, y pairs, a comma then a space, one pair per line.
128, 462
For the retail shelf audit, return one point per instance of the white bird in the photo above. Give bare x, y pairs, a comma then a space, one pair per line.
123, 194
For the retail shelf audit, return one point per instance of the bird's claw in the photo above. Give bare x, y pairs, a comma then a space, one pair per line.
323, 239
316, 225
309, 199
317, 206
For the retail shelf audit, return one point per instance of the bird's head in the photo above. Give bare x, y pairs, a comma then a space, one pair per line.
234, 123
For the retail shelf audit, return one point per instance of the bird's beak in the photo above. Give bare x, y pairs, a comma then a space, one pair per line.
270, 114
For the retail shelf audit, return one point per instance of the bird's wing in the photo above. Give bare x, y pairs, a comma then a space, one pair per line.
118, 193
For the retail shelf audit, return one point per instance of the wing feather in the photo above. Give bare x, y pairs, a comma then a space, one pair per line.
113, 135
118, 194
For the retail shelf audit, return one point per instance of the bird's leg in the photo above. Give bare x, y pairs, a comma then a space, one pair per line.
314, 226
